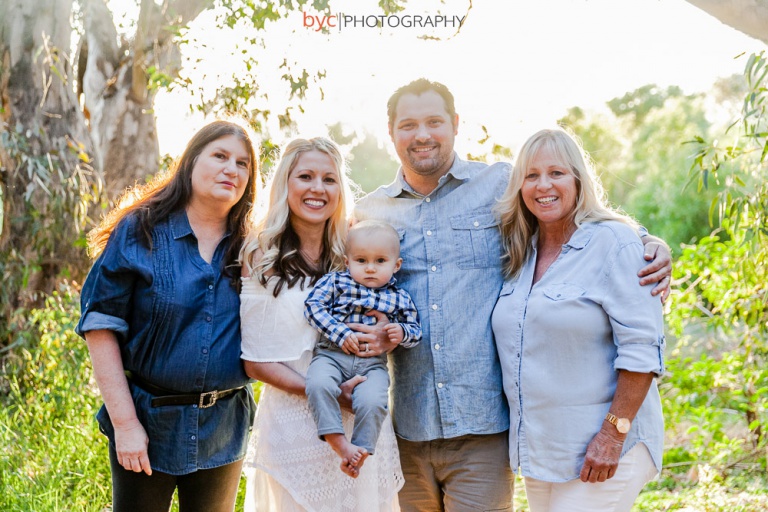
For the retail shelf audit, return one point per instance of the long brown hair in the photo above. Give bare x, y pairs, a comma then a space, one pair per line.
169, 192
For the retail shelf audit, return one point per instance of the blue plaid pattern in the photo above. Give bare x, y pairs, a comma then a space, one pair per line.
337, 299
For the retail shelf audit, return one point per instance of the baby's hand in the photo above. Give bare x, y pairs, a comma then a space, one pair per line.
395, 333
350, 345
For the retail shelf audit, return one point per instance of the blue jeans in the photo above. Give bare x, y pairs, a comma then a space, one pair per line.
328, 369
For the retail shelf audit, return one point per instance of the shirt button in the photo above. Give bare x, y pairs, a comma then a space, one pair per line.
440, 385
429, 233
205, 351
210, 287
208, 318
434, 306
437, 346
518, 354
476, 223
192, 437
428, 199
434, 268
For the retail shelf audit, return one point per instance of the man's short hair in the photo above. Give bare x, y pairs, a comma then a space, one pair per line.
418, 87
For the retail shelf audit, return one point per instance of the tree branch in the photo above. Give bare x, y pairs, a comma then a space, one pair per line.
747, 16
182, 12
139, 75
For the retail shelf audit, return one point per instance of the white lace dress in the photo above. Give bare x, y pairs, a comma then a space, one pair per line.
287, 467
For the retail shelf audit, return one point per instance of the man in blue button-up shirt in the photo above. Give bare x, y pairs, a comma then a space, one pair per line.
450, 413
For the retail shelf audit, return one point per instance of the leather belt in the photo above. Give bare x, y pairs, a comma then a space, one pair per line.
165, 397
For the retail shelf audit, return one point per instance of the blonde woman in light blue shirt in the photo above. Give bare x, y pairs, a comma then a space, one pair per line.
579, 339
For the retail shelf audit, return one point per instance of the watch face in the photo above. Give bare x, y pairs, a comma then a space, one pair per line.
622, 425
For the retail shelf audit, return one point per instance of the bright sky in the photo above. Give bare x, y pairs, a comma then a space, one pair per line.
514, 67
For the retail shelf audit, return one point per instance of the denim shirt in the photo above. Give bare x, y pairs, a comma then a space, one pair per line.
177, 321
562, 342
450, 384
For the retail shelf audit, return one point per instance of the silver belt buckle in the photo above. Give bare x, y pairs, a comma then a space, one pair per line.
208, 399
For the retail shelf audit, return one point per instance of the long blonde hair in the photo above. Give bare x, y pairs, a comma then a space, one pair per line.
273, 235
518, 224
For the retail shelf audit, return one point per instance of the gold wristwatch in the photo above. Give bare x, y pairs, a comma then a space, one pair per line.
622, 424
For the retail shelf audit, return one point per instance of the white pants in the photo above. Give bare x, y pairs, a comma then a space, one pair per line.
616, 494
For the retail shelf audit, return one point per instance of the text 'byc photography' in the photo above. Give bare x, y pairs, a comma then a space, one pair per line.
340, 21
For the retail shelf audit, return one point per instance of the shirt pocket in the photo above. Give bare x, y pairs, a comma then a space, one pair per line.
563, 291
476, 239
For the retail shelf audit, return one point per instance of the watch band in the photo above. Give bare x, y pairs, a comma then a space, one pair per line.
622, 424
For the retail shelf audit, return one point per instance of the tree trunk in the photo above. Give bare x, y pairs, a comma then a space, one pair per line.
115, 86
51, 164
46, 180
747, 16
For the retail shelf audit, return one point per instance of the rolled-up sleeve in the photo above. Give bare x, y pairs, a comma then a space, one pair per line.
105, 300
635, 315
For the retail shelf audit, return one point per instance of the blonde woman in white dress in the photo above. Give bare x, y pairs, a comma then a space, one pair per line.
301, 238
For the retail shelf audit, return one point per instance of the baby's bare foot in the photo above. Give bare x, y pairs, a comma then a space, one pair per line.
358, 458
352, 456
348, 469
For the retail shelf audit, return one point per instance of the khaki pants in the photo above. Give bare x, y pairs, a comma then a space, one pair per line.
463, 474
616, 494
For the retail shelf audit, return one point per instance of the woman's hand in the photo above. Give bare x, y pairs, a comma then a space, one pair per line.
131, 443
345, 398
373, 339
602, 456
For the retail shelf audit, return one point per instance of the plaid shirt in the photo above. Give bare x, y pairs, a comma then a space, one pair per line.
337, 299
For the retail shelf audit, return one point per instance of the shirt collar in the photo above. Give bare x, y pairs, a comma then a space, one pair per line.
579, 239
459, 170
180, 226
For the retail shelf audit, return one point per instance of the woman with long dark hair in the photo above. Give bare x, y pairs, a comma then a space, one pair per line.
160, 314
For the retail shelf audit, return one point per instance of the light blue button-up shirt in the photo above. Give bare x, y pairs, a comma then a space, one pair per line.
450, 384
562, 341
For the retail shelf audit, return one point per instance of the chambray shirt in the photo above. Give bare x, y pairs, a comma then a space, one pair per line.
450, 384
177, 321
337, 298
562, 342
